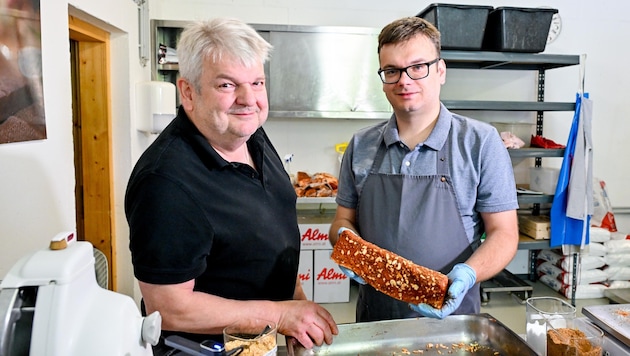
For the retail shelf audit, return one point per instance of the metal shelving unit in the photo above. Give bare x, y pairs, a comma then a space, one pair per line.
507, 60
506, 281
530, 152
507, 105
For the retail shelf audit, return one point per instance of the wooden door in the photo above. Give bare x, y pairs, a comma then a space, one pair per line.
92, 138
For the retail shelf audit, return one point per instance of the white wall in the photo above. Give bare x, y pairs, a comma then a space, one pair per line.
37, 178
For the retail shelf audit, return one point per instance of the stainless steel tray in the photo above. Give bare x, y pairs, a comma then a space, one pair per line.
612, 318
618, 295
479, 334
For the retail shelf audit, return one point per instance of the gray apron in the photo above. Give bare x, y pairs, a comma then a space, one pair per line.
416, 217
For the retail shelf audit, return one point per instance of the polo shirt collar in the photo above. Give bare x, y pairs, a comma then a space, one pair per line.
191, 133
436, 139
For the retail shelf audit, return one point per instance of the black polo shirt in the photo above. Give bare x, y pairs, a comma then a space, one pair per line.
193, 215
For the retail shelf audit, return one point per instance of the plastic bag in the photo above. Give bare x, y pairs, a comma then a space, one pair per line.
602, 209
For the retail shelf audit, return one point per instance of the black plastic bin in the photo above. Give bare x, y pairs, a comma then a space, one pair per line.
517, 29
461, 26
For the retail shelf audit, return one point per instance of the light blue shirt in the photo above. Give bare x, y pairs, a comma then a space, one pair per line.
480, 166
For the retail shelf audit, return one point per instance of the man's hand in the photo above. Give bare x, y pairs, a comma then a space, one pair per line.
462, 278
308, 322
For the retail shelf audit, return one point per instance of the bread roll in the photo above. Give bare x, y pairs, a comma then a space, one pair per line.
390, 273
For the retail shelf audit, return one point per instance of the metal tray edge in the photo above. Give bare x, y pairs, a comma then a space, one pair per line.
604, 326
292, 344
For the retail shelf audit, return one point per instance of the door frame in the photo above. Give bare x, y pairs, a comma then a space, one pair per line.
92, 126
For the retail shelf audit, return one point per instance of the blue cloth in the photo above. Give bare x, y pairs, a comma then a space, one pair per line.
568, 226
480, 166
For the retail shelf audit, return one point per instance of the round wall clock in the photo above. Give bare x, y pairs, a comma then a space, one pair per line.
555, 28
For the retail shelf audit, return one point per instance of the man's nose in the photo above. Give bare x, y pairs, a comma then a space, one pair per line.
245, 95
404, 76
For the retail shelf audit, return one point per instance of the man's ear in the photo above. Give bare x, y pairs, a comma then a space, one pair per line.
186, 92
442, 70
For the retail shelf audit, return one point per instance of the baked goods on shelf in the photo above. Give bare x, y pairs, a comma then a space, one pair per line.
317, 185
390, 273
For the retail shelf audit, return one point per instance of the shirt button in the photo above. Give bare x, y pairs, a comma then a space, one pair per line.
443, 179
407, 163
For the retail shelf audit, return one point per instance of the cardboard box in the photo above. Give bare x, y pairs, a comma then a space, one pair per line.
315, 236
330, 285
536, 226
305, 272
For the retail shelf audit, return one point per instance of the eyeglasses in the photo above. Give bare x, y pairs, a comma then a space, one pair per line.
414, 71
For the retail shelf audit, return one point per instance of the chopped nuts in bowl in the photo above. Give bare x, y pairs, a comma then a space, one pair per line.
257, 338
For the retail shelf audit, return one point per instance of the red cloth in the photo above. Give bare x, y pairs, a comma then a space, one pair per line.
539, 141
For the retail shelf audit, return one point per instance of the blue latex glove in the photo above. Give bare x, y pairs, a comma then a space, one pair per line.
350, 274
462, 278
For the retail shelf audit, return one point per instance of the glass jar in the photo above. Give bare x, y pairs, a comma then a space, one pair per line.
579, 338
541, 312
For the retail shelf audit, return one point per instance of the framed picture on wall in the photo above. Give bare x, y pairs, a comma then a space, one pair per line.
21, 94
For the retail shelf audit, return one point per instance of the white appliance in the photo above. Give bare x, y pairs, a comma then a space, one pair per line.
156, 102
51, 304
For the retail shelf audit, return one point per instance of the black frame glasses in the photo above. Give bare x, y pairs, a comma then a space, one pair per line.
426, 65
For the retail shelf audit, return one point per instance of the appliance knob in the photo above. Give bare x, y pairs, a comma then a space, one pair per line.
151, 328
